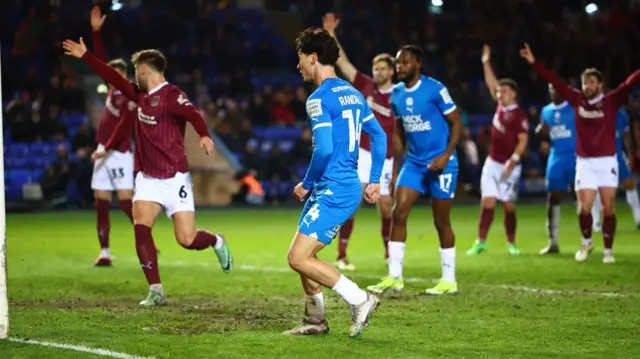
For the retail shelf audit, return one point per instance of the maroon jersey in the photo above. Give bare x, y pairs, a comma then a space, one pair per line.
160, 124
595, 118
116, 107
507, 124
380, 102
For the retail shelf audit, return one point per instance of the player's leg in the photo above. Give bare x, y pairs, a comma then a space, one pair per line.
314, 321
608, 178
178, 198
385, 205
442, 190
631, 189
102, 188
303, 260
409, 186
587, 190
489, 181
558, 179
124, 181
125, 197
508, 196
596, 214
102, 204
145, 212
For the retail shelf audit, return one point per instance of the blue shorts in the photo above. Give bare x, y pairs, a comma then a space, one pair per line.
561, 172
623, 168
439, 185
324, 214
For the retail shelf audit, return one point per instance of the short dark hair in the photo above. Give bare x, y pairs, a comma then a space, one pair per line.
387, 58
592, 71
321, 42
509, 82
118, 64
152, 58
416, 51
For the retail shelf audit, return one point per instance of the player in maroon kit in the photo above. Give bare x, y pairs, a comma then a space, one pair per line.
597, 164
377, 91
114, 172
162, 179
502, 169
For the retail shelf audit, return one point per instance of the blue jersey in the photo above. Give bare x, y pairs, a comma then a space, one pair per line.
422, 110
562, 128
337, 113
622, 126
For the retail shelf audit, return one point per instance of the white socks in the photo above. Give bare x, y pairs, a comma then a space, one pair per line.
156, 288
552, 224
634, 203
314, 306
105, 253
587, 241
219, 242
448, 259
396, 259
350, 291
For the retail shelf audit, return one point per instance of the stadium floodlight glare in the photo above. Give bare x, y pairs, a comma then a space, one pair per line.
591, 8
4, 298
116, 5
437, 3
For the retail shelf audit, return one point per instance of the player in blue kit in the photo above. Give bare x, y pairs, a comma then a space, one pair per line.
422, 107
623, 139
558, 120
337, 113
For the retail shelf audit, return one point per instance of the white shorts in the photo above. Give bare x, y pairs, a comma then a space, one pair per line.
597, 172
174, 194
364, 170
492, 185
113, 172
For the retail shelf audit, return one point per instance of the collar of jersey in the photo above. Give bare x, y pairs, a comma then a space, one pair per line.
560, 106
385, 92
414, 87
509, 108
157, 88
596, 100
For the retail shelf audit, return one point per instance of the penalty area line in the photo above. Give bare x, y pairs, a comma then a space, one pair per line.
79, 348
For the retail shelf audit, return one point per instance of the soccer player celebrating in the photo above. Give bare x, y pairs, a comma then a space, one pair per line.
114, 172
502, 169
557, 118
336, 114
422, 106
162, 179
377, 91
623, 139
596, 166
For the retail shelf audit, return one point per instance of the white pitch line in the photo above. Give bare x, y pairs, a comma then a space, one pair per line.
511, 287
79, 348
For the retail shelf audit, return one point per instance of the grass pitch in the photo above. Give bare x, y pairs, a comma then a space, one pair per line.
508, 307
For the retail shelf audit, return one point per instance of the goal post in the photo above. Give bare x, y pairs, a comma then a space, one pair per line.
4, 297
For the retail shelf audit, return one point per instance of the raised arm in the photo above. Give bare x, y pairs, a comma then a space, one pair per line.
489, 76
179, 105
330, 21
371, 127
619, 95
97, 19
322, 130
570, 94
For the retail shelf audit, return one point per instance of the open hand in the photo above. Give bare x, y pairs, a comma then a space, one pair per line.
207, 144
97, 155
508, 168
97, 19
486, 53
330, 22
527, 54
372, 193
72, 48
